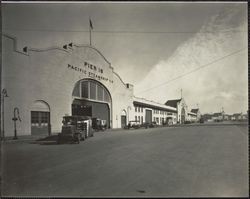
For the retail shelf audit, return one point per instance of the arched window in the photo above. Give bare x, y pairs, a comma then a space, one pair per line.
90, 89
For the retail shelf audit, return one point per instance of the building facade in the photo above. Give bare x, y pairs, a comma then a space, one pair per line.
72, 79
46, 84
181, 107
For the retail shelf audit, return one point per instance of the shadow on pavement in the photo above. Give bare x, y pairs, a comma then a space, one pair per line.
51, 140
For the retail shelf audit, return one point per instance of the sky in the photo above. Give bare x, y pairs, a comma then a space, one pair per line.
160, 48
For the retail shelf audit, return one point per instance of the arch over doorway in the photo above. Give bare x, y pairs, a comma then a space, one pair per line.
91, 98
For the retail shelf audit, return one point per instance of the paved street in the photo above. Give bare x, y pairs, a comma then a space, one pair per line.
171, 161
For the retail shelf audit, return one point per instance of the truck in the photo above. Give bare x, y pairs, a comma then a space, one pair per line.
75, 129
99, 124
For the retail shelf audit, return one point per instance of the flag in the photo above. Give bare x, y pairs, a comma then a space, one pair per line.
90, 24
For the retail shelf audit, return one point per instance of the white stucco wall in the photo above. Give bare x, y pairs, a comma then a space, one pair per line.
44, 74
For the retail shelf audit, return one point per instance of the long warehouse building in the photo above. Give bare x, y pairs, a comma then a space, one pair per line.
47, 84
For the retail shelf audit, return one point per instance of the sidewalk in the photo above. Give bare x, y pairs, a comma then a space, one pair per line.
25, 138
45, 137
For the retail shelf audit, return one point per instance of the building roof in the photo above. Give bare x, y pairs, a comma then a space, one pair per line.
237, 114
152, 104
192, 113
194, 110
173, 103
217, 114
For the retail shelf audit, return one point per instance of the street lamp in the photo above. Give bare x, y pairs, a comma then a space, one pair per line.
15, 118
4, 94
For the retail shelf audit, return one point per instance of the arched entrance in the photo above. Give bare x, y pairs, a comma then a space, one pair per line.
40, 118
91, 98
123, 118
182, 115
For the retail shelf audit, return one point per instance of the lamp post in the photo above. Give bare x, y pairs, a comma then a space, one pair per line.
15, 119
4, 94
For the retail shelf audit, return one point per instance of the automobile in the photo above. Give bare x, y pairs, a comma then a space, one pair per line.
152, 124
133, 124
75, 129
145, 125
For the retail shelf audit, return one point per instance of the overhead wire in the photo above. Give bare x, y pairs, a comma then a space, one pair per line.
194, 70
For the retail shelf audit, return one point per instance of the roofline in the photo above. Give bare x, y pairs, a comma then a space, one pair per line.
15, 41
161, 106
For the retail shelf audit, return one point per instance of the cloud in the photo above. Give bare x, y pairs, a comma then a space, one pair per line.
214, 86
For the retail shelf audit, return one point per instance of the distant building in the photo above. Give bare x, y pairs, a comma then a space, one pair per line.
192, 117
237, 116
197, 112
207, 117
182, 109
217, 116
225, 117
148, 111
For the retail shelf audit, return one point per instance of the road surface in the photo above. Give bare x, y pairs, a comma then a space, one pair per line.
195, 161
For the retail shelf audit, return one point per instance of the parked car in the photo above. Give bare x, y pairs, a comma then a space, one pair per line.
133, 124
145, 125
75, 128
152, 124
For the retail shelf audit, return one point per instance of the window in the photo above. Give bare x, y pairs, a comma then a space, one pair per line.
85, 89
44, 117
39, 118
135, 109
141, 119
135, 118
34, 117
100, 93
92, 90
141, 109
106, 96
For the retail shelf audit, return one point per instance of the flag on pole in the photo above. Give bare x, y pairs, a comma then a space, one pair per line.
90, 24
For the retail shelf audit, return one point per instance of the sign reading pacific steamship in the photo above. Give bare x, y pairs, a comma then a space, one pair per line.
91, 71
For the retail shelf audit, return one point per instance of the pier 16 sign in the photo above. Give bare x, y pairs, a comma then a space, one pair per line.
91, 71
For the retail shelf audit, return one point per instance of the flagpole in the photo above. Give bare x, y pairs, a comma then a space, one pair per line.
89, 33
